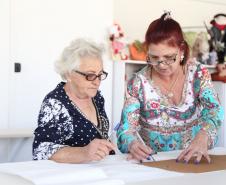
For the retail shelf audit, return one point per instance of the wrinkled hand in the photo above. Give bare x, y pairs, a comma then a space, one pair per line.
198, 148
138, 151
97, 149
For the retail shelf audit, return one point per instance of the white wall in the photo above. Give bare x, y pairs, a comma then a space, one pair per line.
135, 16
4, 60
34, 33
4, 70
40, 29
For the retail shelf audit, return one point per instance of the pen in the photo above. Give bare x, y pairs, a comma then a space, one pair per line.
142, 141
112, 152
116, 127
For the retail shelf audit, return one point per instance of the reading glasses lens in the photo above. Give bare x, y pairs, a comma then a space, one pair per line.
92, 77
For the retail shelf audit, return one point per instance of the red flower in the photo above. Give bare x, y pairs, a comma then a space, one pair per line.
204, 71
155, 105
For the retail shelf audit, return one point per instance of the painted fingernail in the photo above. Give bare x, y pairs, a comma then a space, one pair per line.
196, 162
148, 158
185, 161
177, 160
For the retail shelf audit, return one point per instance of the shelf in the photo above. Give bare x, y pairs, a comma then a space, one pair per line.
16, 133
133, 61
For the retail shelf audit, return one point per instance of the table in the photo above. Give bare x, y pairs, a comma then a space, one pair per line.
113, 170
210, 178
10, 179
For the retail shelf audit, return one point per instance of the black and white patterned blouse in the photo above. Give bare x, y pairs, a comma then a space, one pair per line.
61, 124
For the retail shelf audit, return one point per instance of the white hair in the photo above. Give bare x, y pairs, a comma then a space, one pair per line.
72, 55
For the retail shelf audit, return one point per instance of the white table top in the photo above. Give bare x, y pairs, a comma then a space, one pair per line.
16, 133
113, 170
10, 179
209, 178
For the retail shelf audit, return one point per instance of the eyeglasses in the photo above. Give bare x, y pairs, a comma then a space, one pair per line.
155, 62
92, 77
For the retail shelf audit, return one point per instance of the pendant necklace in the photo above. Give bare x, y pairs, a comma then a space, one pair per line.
170, 94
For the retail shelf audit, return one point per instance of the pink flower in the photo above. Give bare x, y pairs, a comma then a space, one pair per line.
204, 71
152, 113
155, 105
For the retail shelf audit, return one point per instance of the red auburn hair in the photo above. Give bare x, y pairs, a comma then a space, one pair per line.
165, 29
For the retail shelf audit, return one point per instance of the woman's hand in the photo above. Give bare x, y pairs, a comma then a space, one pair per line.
97, 149
198, 148
139, 151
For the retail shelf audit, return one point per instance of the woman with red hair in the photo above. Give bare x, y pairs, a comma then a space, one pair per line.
170, 103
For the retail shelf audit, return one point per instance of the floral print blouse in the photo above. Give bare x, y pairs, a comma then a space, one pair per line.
61, 124
164, 126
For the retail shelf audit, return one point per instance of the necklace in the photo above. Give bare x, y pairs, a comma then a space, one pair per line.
170, 94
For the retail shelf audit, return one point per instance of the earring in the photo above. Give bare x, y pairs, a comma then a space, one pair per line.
182, 58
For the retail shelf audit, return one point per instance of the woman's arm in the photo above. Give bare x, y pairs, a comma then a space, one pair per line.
94, 151
129, 117
212, 114
210, 119
54, 124
54, 128
129, 125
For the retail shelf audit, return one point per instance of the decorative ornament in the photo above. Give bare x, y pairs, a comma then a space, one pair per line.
119, 48
168, 15
182, 57
170, 95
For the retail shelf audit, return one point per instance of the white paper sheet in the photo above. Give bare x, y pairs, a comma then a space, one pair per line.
113, 170
48, 172
118, 167
100, 182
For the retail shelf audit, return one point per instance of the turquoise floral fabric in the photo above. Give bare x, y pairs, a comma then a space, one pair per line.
164, 126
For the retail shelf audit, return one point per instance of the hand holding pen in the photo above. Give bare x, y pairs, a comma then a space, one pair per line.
139, 150
97, 149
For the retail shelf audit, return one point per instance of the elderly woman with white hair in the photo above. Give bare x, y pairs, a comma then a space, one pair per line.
72, 123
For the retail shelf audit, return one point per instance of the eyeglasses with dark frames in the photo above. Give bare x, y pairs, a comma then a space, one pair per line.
92, 76
168, 61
